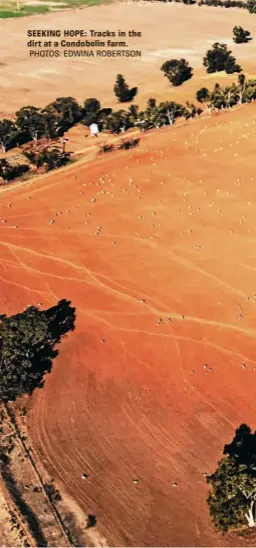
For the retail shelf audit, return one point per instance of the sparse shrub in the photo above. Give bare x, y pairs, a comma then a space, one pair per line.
105, 147
53, 492
91, 521
240, 35
126, 144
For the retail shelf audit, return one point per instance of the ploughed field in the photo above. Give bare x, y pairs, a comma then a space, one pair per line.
155, 248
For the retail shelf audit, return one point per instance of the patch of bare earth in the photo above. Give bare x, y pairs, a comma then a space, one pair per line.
155, 247
168, 30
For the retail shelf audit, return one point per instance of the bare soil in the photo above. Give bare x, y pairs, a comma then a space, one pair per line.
156, 250
168, 30
128, 397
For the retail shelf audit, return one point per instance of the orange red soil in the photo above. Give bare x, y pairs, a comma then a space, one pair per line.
161, 269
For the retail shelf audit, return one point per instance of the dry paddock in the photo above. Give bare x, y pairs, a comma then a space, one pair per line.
168, 30
155, 248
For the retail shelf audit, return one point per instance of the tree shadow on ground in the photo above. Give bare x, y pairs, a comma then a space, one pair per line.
27, 512
61, 320
243, 446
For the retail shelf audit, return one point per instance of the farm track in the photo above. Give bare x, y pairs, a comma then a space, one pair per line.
34, 510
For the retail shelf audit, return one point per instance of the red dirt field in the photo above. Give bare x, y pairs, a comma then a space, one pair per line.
177, 240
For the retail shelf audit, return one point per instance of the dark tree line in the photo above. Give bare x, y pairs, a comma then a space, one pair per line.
244, 91
27, 347
33, 123
232, 498
250, 5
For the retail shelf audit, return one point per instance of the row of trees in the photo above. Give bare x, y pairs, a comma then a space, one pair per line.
51, 122
32, 123
51, 157
250, 5
27, 346
153, 116
244, 91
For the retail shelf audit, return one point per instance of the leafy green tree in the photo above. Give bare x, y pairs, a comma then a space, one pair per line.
219, 58
117, 121
30, 121
190, 110
8, 134
249, 92
48, 157
122, 91
91, 111
21, 337
152, 114
51, 124
241, 87
133, 111
170, 111
240, 35
233, 485
65, 113
177, 71
251, 6
202, 95
27, 344
8, 172
151, 104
